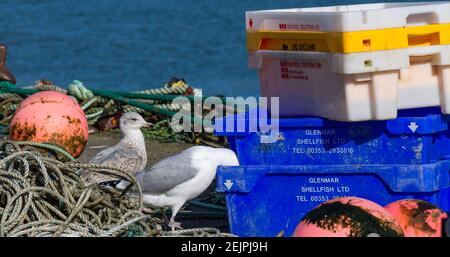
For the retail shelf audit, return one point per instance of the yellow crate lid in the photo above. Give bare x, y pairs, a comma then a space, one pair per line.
349, 42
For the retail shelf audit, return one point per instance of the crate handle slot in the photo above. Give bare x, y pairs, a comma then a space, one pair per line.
421, 18
428, 39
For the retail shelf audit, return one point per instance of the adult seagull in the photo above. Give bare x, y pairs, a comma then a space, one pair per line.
181, 177
129, 154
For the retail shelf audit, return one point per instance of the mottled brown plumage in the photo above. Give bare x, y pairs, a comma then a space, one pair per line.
128, 155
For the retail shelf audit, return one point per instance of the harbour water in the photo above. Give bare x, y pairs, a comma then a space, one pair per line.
130, 45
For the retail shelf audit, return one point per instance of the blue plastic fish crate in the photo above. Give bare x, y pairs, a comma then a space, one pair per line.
416, 137
265, 200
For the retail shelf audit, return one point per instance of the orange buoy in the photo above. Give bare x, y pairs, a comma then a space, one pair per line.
51, 117
348, 217
418, 218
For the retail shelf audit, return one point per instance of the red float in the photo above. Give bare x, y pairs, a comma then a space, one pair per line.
348, 217
418, 218
51, 117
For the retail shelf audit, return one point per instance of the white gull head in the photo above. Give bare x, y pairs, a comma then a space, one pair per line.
132, 121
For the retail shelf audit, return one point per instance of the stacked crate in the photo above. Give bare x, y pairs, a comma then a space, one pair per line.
353, 63
364, 96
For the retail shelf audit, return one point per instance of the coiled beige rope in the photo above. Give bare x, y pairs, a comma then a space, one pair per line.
44, 197
41, 196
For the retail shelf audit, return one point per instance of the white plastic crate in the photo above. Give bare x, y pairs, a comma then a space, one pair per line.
349, 18
355, 63
356, 87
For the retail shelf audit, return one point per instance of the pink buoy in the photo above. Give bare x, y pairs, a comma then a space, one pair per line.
51, 117
348, 217
418, 218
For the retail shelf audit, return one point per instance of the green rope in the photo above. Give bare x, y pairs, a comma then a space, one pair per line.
4, 96
47, 146
147, 107
197, 232
85, 105
94, 115
77, 89
159, 97
80, 92
128, 108
175, 88
11, 108
44, 87
93, 110
8, 87
208, 205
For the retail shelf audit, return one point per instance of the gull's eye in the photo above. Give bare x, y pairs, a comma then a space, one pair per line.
134, 119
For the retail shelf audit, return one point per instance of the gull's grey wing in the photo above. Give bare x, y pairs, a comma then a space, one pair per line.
126, 159
167, 174
103, 155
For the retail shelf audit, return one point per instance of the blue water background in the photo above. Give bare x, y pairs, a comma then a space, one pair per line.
132, 44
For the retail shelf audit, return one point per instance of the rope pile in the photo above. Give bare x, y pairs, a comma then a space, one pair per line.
42, 196
154, 104
197, 232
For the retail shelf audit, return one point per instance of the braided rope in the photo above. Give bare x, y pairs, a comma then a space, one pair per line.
106, 103
41, 196
197, 232
50, 87
4, 96
54, 148
44, 197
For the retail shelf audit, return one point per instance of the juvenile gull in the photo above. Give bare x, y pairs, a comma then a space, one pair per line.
129, 154
181, 177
